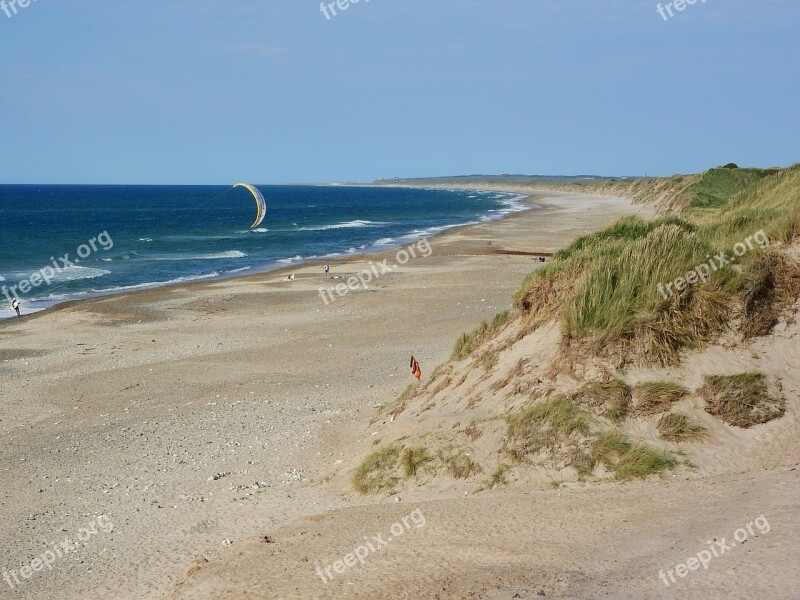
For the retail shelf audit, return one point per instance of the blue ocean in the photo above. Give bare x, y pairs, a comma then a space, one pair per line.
67, 242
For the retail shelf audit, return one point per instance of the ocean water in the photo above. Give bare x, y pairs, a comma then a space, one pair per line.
86, 241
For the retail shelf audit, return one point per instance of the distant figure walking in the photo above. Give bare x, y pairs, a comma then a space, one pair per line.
15, 306
327, 269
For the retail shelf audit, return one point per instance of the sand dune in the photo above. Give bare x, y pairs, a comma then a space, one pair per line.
216, 426
129, 406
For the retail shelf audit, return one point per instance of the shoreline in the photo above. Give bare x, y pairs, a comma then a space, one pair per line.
226, 410
256, 271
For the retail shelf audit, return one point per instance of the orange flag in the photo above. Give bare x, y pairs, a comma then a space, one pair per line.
415, 370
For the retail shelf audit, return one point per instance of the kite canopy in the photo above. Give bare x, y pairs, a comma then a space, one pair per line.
261, 205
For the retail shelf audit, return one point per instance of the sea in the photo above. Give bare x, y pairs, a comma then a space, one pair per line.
65, 242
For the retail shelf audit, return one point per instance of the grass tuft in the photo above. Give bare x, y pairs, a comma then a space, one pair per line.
614, 396
469, 342
772, 285
741, 400
626, 460
459, 464
653, 397
677, 427
641, 461
499, 477
543, 425
413, 459
377, 472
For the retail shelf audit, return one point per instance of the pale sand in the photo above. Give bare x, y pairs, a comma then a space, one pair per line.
127, 406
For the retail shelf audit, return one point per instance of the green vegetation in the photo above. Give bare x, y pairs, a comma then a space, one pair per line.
604, 287
741, 400
544, 425
610, 445
655, 397
772, 282
458, 463
497, 478
386, 467
676, 427
376, 473
614, 396
642, 461
717, 186
469, 342
413, 459
625, 459
489, 359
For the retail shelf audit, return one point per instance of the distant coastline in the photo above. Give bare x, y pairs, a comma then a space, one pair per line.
518, 201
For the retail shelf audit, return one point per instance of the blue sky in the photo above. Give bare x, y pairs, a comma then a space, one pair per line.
270, 91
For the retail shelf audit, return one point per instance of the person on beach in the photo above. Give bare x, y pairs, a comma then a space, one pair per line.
327, 269
15, 306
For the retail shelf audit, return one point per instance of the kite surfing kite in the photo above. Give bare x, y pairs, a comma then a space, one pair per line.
261, 205
415, 370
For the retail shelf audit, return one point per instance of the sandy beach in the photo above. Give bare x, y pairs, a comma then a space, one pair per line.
195, 442
129, 406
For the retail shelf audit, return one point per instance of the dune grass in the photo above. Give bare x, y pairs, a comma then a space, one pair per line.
718, 185
741, 400
377, 472
653, 397
469, 342
614, 396
458, 463
772, 285
413, 459
609, 445
677, 427
545, 424
642, 461
625, 459
385, 468
604, 287
499, 477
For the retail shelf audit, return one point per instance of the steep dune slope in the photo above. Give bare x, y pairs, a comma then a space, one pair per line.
605, 370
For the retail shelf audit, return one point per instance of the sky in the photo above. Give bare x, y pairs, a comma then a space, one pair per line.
273, 91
